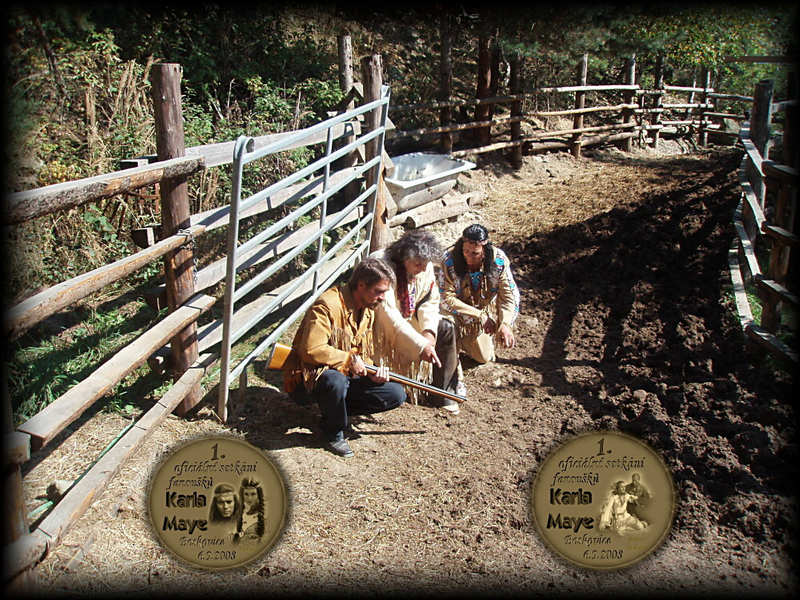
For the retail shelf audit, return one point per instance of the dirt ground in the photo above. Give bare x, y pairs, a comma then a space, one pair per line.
626, 324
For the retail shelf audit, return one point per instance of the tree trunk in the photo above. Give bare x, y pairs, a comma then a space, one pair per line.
515, 83
373, 79
446, 80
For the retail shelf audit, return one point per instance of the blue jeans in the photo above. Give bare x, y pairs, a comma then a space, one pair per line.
340, 396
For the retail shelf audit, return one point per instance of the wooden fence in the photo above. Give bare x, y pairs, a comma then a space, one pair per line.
191, 348
641, 114
768, 188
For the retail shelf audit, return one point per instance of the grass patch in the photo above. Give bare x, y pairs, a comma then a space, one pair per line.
45, 363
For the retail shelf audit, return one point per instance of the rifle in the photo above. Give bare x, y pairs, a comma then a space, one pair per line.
280, 353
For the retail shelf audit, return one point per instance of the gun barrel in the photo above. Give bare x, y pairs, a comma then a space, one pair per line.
419, 385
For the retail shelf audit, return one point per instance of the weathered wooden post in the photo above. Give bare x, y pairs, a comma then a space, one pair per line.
515, 83
16, 451
372, 78
446, 80
702, 138
580, 102
691, 94
659, 99
179, 268
627, 113
345, 46
760, 118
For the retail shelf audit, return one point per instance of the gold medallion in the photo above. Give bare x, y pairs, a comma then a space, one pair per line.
603, 500
217, 502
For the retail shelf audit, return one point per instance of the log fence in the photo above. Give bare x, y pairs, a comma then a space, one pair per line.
642, 114
354, 159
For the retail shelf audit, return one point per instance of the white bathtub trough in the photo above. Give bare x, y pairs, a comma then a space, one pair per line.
420, 177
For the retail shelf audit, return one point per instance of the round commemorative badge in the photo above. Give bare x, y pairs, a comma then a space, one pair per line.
603, 500
217, 502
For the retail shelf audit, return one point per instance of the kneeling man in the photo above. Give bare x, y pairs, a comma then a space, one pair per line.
332, 345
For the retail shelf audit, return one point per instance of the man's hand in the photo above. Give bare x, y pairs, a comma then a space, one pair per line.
506, 336
381, 375
428, 353
357, 368
489, 326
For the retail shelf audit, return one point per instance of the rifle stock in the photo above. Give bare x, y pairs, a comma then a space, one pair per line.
280, 353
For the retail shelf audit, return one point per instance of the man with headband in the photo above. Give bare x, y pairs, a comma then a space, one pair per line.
478, 291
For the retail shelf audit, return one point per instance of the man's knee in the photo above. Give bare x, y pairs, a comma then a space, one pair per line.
446, 332
394, 394
332, 384
480, 349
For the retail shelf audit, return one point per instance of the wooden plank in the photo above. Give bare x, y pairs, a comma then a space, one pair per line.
688, 105
731, 97
25, 552
683, 88
16, 448
783, 173
450, 204
27, 313
752, 200
23, 206
781, 235
457, 127
776, 292
720, 115
597, 128
438, 211
590, 88
783, 105
739, 293
745, 244
91, 486
51, 420
581, 111
771, 343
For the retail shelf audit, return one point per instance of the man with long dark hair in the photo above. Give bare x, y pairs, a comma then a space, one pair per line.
225, 510
416, 298
250, 526
478, 291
